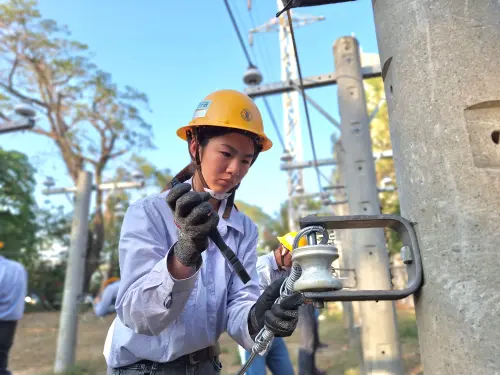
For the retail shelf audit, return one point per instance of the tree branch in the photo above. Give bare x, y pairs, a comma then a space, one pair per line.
118, 153
23, 97
44, 132
91, 161
94, 123
13, 71
65, 81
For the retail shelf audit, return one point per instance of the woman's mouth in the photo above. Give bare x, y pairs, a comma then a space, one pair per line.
225, 182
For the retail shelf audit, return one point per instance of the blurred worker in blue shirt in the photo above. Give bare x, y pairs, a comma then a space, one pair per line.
13, 289
104, 304
272, 267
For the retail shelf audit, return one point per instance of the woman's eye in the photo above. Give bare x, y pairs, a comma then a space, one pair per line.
246, 162
226, 154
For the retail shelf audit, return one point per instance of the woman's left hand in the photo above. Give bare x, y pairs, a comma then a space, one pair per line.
282, 318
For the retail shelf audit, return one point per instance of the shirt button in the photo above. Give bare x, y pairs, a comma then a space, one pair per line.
168, 301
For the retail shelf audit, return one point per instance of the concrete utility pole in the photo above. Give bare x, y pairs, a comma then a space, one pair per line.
73, 282
381, 349
344, 241
440, 68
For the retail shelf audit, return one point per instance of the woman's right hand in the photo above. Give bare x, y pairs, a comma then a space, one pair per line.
280, 318
195, 218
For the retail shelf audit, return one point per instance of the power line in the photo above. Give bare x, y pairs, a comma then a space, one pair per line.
266, 55
301, 87
273, 120
241, 21
238, 32
266, 102
268, 107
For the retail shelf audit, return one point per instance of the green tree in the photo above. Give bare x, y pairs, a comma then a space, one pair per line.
265, 225
116, 203
381, 140
153, 176
18, 225
54, 228
271, 226
89, 118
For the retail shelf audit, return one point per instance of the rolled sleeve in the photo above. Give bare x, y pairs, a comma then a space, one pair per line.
19, 291
105, 305
264, 268
149, 298
241, 297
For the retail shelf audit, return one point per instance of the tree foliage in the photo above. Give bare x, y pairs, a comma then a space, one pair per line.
18, 225
153, 176
271, 226
54, 228
116, 202
90, 120
381, 141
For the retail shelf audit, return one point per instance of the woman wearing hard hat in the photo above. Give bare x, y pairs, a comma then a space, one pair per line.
177, 293
271, 267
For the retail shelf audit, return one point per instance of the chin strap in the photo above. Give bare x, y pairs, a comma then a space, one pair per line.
218, 196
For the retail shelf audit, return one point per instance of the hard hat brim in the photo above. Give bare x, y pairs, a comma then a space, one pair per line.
266, 142
284, 242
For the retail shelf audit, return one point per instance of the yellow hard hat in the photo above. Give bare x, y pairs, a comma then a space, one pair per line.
228, 109
287, 240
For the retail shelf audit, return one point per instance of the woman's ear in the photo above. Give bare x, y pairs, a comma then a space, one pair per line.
192, 148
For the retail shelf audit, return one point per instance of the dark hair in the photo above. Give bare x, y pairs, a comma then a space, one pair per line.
205, 133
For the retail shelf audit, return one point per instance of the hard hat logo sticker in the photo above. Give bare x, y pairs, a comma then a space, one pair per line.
246, 115
202, 108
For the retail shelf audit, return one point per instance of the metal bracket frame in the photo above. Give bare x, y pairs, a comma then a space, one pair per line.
369, 71
397, 223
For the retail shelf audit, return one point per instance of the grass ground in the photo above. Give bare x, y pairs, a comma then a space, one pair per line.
36, 337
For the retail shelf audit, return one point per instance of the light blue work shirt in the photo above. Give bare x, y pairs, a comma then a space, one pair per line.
268, 270
161, 318
13, 289
106, 305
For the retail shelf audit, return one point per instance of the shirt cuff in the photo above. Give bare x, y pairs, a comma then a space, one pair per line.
181, 285
245, 337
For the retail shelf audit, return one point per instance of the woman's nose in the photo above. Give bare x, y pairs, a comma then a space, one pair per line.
234, 167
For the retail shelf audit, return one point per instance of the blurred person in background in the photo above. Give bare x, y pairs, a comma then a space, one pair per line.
104, 303
271, 267
13, 289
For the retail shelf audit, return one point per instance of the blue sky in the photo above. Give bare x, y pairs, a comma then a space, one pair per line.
179, 51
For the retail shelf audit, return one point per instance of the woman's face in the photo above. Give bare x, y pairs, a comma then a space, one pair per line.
225, 160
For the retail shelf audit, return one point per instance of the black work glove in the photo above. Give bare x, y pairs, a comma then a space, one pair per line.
280, 318
195, 218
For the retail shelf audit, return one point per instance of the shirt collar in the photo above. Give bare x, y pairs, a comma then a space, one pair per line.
234, 221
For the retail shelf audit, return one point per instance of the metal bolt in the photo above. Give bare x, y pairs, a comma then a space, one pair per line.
406, 255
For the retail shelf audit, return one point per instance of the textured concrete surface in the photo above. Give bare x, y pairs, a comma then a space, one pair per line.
441, 62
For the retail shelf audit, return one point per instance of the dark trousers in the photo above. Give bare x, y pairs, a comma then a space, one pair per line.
7, 331
309, 340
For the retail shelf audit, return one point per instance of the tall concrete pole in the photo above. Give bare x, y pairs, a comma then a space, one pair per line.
381, 349
73, 282
350, 309
441, 63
